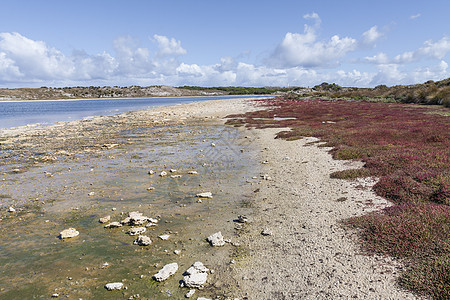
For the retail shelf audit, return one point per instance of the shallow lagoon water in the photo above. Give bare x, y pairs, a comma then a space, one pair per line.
34, 263
21, 113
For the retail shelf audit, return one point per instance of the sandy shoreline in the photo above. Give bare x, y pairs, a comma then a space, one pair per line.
307, 255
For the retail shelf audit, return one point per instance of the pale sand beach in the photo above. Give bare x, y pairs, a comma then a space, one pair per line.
293, 246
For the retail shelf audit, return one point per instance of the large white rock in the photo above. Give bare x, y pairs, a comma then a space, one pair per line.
142, 240
167, 271
197, 267
195, 280
68, 233
216, 239
195, 276
114, 286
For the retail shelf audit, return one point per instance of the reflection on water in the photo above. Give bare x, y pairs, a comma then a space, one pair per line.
35, 264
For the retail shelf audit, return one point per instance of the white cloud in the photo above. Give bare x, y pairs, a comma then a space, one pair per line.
372, 35
33, 58
26, 60
168, 46
380, 58
189, 70
315, 17
130, 58
429, 50
8, 69
437, 49
304, 50
298, 60
413, 17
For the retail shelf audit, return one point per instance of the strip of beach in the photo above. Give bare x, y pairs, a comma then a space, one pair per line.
281, 230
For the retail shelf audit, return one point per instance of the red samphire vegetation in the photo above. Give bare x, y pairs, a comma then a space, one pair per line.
408, 148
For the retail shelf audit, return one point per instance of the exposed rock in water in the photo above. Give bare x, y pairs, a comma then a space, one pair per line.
68, 233
166, 272
113, 225
216, 239
195, 276
136, 218
204, 195
105, 219
142, 240
136, 230
114, 286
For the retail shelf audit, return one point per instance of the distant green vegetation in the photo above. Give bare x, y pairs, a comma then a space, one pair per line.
238, 90
430, 92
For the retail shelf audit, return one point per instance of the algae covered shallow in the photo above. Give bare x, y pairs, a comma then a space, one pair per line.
76, 192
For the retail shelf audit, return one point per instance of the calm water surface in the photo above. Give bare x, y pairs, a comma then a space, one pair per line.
21, 113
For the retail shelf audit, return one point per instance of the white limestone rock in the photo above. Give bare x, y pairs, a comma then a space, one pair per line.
167, 271
113, 225
164, 237
68, 233
204, 195
114, 286
216, 239
105, 219
142, 240
136, 230
190, 293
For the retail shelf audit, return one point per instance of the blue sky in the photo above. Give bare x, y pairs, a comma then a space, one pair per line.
220, 43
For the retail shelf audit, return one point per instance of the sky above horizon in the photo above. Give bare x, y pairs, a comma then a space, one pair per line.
230, 43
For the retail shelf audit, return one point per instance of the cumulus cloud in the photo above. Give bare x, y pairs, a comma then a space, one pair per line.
437, 49
429, 50
26, 60
305, 50
299, 60
33, 58
168, 46
380, 58
372, 35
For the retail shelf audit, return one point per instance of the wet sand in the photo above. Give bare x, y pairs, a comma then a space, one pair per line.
70, 174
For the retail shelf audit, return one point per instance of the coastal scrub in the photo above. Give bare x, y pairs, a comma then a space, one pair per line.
408, 148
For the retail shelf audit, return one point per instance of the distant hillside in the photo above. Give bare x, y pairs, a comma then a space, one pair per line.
430, 92
45, 93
